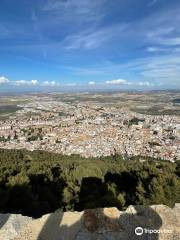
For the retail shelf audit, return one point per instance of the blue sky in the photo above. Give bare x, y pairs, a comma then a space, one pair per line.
88, 44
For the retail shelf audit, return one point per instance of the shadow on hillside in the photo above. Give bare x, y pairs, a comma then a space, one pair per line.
35, 198
97, 224
3, 219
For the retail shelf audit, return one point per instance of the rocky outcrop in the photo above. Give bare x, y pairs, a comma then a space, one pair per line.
11, 224
156, 222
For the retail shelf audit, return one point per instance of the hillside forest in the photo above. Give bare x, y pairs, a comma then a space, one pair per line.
38, 182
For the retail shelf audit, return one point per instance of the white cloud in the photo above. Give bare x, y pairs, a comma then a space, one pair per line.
130, 83
26, 83
93, 38
91, 83
117, 81
170, 41
76, 9
4, 80
160, 31
34, 82
49, 83
165, 36
152, 49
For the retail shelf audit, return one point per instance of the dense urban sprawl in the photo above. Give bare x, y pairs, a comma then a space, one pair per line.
90, 129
